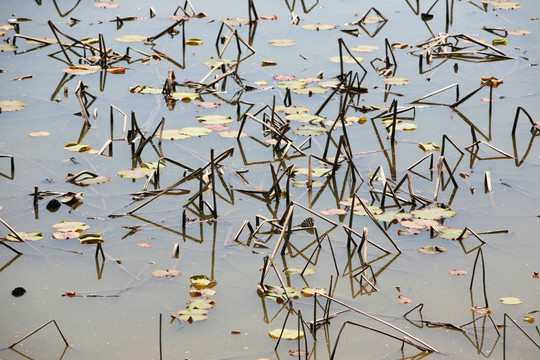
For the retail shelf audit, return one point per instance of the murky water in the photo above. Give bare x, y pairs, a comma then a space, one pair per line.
115, 313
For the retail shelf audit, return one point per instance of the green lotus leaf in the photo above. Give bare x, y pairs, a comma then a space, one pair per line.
88, 239
346, 59
26, 236
305, 117
433, 213
452, 233
11, 105
431, 249
71, 226
306, 130
166, 273
190, 315
135, 173
287, 334
131, 38
318, 27
215, 119
310, 90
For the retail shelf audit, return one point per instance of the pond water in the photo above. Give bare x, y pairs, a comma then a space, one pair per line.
110, 306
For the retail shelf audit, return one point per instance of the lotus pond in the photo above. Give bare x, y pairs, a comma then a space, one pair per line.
250, 179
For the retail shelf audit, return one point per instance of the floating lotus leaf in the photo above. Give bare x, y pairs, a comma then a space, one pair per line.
218, 62
195, 131
26, 236
282, 42
88, 239
261, 83
82, 69
403, 299
185, 96
482, 310
202, 282
309, 291
303, 184
153, 164
310, 90
231, 134
365, 48
503, 5
287, 334
276, 292
7, 47
131, 38
509, 300
71, 226
284, 77
75, 147
411, 224
194, 42
359, 210
329, 212
433, 213
457, 272
338, 124
87, 179
106, 5
7, 27
204, 303
65, 235
293, 109
451, 233
292, 84
390, 216
166, 273
218, 127
519, 32
297, 271
409, 231
135, 173
346, 59
428, 223
239, 21
11, 105
215, 119
38, 133
329, 83
89, 41
432, 249
396, 81
403, 125
318, 27
429, 146
315, 171
150, 90
190, 315
202, 292
306, 130
499, 42
305, 117
172, 134
373, 19
348, 202
144, 245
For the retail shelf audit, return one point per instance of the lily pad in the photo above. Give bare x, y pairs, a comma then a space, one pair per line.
208, 104
172, 134
202, 292
106, 5
202, 282
297, 271
315, 171
309, 291
239, 21
318, 27
215, 119
305, 117
81, 69
190, 315
389, 216
71, 226
346, 59
284, 77
310, 90
504, 5
204, 303
429, 146
7, 47
38, 133
409, 231
66, 235
432, 249
276, 292
75, 147
131, 38
433, 213
232, 134
451, 233
150, 90
293, 109
11, 105
365, 48
396, 81
359, 210
195, 131
329, 212
218, 62
287, 334
26, 236
292, 84
88, 239
510, 300
136, 173
403, 299
306, 130
458, 272
194, 42
166, 273
282, 42
185, 96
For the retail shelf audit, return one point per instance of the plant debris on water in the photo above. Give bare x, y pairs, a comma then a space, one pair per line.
302, 155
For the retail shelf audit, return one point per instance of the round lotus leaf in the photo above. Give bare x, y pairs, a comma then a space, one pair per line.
303, 184
519, 32
318, 27
89, 239
298, 271
26, 236
218, 62
293, 109
195, 131
305, 117
135, 173
166, 273
329, 83
91, 180
287, 334
396, 81
194, 42
231, 134
66, 235
131, 38
310, 90
452, 233
75, 147
292, 84
373, 19
215, 119
7, 47
404, 126
503, 5
11, 105
239, 21
82, 69
432, 249
185, 96
190, 315
315, 171
208, 104
365, 48
433, 213
510, 300
71, 226
275, 292
150, 90
346, 59
309, 291
359, 210
172, 134
38, 133
307, 130
282, 42
204, 303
